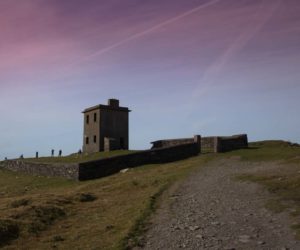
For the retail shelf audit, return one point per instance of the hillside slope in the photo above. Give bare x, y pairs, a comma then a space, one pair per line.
111, 213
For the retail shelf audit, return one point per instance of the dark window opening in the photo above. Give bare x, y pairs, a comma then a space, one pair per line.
87, 119
122, 143
95, 117
86, 140
95, 139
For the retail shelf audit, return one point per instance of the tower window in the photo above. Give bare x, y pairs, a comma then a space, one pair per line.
95, 139
95, 117
86, 140
87, 119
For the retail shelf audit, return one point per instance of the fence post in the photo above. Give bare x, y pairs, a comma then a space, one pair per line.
197, 139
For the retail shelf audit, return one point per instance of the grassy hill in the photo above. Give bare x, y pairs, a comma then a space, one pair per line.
109, 213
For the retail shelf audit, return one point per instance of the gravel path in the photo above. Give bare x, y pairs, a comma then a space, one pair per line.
211, 210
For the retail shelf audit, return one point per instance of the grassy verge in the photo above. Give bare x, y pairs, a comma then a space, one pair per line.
108, 213
283, 181
269, 151
134, 237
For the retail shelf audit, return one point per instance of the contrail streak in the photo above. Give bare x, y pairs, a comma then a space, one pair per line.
208, 81
262, 16
145, 32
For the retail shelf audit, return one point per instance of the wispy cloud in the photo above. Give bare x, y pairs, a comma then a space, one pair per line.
149, 30
260, 17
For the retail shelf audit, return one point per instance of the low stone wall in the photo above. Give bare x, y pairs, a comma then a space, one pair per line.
214, 144
232, 143
208, 144
171, 142
69, 171
109, 166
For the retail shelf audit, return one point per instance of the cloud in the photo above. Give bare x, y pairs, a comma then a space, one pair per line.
149, 30
262, 14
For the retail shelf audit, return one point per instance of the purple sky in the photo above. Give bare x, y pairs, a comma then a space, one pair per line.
209, 67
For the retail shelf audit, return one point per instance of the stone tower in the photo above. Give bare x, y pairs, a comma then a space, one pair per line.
106, 127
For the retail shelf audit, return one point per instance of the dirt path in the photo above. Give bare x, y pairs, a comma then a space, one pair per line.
211, 210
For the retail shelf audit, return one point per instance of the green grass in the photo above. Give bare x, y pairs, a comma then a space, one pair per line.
269, 151
76, 158
107, 213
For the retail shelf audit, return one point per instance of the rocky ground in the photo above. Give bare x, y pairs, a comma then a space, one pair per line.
212, 210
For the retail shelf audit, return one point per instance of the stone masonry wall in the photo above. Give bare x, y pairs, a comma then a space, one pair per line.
208, 143
214, 144
68, 171
171, 143
109, 166
232, 143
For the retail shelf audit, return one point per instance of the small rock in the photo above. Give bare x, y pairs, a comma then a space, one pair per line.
215, 223
261, 242
199, 236
194, 228
123, 171
179, 227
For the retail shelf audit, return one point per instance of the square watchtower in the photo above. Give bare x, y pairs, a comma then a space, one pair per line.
106, 127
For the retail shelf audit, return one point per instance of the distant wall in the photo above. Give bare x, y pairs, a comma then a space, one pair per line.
171, 143
232, 143
208, 144
69, 171
109, 166
214, 144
